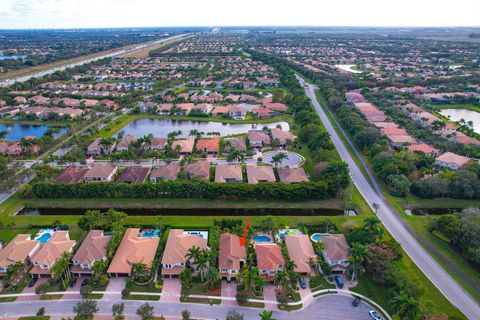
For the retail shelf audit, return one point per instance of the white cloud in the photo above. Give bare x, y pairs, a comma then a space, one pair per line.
140, 13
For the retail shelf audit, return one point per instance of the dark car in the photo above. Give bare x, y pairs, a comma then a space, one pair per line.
339, 282
303, 283
84, 283
356, 301
32, 282
73, 281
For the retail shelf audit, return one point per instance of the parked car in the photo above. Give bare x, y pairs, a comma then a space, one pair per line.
356, 301
339, 282
374, 314
73, 281
303, 283
32, 282
84, 283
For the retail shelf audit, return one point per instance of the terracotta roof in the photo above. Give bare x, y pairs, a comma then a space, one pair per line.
226, 172
208, 145
18, 249
100, 170
199, 169
300, 250
394, 131
230, 252
53, 249
168, 171
134, 175
178, 245
258, 135
186, 145
282, 135
256, 174
422, 147
401, 138
269, 256
133, 249
336, 246
292, 175
237, 143
93, 247
450, 157
72, 175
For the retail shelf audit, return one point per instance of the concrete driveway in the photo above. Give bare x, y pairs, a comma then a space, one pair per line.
77, 286
32, 290
171, 290
115, 285
269, 294
229, 290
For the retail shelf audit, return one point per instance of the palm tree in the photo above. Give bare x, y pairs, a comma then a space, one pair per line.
281, 278
278, 158
407, 307
212, 276
193, 253
201, 264
291, 265
354, 269
60, 268
359, 252
99, 267
246, 276
26, 144
140, 270
259, 282
193, 132
266, 315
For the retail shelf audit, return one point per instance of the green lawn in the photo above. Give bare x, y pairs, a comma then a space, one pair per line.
35, 318
377, 293
147, 288
200, 300
457, 106
51, 296
143, 297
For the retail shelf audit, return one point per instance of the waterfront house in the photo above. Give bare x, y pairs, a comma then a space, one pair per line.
452, 160
20, 249
134, 175
231, 257
101, 173
167, 171
256, 174
228, 173
292, 175
335, 252
198, 169
269, 259
300, 251
49, 253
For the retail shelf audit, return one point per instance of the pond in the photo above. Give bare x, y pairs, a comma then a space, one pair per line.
17, 131
12, 57
467, 115
162, 127
434, 211
190, 211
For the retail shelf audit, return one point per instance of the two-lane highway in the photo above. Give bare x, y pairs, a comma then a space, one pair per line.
439, 277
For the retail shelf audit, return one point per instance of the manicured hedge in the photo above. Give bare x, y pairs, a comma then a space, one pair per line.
188, 189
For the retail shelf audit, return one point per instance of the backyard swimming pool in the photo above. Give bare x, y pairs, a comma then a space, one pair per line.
150, 233
44, 235
201, 234
262, 239
316, 236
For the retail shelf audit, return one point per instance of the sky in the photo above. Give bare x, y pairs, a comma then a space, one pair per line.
27, 14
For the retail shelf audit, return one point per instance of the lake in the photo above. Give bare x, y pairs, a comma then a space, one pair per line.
12, 57
18, 131
468, 115
162, 127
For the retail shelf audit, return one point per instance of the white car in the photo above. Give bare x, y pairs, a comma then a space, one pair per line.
374, 314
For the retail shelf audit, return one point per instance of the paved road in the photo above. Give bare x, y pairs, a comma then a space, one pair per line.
326, 307
117, 53
439, 277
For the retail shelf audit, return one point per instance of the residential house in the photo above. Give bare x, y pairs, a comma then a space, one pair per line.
20, 249
237, 113
425, 148
72, 174
198, 169
134, 175
101, 173
125, 143
282, 137
235, 143
93, 248
156, 144
292, 175
185, 145
335, 252
258, 139
452, 160
168, 171
269, 259
51, 252
300, 251
256, 174
220, 111
231, 257
210, 145
227, 173
133, 249
174, 258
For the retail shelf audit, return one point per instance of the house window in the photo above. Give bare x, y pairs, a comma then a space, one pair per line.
264, 271
272, 272
167, 266
223, 270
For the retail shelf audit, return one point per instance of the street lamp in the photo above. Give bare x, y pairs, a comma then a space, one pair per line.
376, 206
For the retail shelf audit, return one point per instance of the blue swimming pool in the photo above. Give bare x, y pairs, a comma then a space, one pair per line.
44, 237
316, 236
151, 233
262, 239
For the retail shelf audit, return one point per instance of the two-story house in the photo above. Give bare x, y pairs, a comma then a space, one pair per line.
49, 253
20, 249
100, 173
93, 248
269, 259
335, 252
174, 258
231, 256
